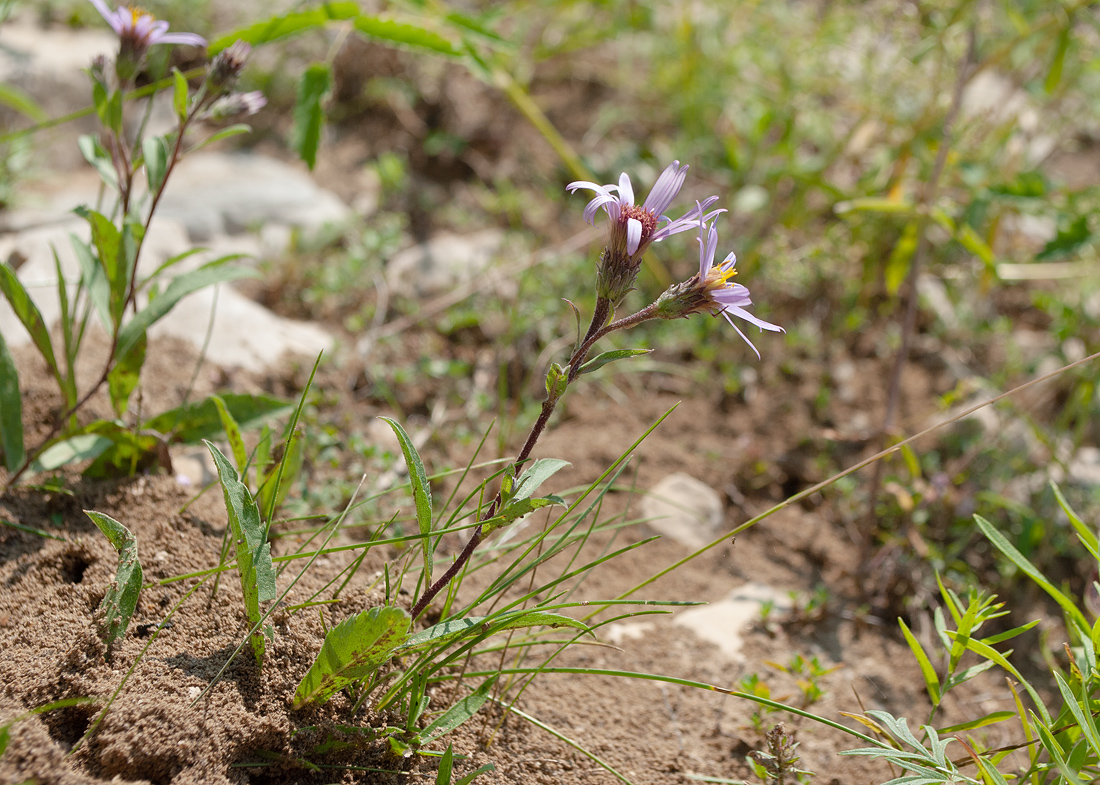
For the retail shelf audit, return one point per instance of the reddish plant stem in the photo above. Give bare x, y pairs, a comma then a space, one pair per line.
596, 330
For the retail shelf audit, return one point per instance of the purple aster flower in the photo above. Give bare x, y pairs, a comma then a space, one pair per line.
235, 104
137, 30
712, 289
635, 227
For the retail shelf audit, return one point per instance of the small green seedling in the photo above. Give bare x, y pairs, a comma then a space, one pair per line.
121, 598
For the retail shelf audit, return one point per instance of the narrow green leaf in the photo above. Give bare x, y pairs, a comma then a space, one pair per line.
1017, 558
466, 779
193, 422
309, 116
1085, 721
155, 150
286, 25
897, 266
19, 101
179, 94
124, 375
446, 764
353, 650
515, 510
226, 133
422, 493
931, 680
1008, 634
981, 722
79, 448
233, 436
121, 598
29, 315
98, 157
181, 286
1087, 534
444, 634
253, 554
1054, 750
109, 249
11, 411
600, 360
291, 464
93, 280
404, 34
1054, 75
537, 473
458, 713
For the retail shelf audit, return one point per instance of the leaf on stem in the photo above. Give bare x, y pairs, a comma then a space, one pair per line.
600, 360
124, 375
405, 34
422, 494
233, 436
179, 95
449, 632
353, 650
253, 554
286, 25
458, 713
155, 151
122, 595
309, 116
11, 411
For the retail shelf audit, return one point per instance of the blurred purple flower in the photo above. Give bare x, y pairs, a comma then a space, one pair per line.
142, 27
635, 227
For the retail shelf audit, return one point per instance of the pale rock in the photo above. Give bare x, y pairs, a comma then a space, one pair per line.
616, 634
443, 262
684, 509
723, 622
229, 193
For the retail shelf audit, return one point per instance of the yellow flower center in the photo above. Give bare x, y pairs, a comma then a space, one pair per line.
136, 13
718, 278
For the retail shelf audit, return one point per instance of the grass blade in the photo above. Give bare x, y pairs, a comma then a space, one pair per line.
458, 713
11, 411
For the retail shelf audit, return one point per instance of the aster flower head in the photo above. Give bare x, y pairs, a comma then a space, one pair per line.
227, 66
234, 104
633, 227
712, 289
137, 30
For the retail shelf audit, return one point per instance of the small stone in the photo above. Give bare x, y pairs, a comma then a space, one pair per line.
723, 622
685, 509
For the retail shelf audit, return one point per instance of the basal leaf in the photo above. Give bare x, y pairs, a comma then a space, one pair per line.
125, 374
253, 554
29, 316
11, 411
309, 115
121, 598
422, 493
353, 650
73, 450
193, 422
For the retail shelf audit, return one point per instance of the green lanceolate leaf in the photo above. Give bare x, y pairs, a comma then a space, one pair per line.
108, 244
309, 115
11, 411
931, 681
458, 713
600, 360
122, 595
353, 650
14, 98
125, 374
515, 510
449, 632
557, 381
95, 154
422, 493
1004, 546
78, 448
233, 436
93, 280
287, 25
404, 34
193, 422
208, 275
29, 315
536, 474
225, 133
179, 94
155, 150
253, 554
